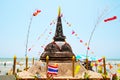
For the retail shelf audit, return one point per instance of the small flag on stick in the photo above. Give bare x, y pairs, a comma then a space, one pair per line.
52, 69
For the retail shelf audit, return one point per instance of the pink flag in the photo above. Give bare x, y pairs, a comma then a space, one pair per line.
29, 49
73, 32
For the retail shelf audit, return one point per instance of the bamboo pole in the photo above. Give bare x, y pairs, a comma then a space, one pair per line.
47, 60
87, 63
26, 63
104, 64
73, 65
14, 65
33, 61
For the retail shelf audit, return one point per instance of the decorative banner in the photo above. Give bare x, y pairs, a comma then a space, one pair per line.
36, 13
49, 32
109, 19
75, 34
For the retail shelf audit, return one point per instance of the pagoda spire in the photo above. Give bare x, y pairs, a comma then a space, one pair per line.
59, 31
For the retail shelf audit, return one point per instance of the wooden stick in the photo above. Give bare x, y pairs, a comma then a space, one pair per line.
87, 63
33, 61
14, 65
104, 65
47, 60
73, 65
26, 63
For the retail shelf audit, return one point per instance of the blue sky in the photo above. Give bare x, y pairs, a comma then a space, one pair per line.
81, 14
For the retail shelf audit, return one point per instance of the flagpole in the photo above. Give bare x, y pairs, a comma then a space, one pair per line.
28, 35
98, 21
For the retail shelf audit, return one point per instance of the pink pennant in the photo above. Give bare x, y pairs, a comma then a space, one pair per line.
73, 32
42, 46
29, 49
61, 15
50, 23
50, 32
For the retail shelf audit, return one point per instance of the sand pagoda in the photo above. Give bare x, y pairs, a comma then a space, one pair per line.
60, 53
59, 49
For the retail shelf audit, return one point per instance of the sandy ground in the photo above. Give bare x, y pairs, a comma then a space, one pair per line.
64, 71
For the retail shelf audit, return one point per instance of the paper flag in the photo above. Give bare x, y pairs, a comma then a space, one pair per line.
77, 69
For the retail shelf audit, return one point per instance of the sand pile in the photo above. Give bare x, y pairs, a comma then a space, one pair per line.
64, 71
94, 74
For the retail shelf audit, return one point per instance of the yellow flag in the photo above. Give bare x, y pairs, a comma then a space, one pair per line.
77, 69
85, 44
76, 34
92, 64
100, 67
118, 65
118, 70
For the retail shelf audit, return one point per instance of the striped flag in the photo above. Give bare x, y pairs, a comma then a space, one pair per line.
52, 69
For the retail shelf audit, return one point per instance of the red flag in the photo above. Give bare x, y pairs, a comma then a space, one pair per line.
109, 19
99, 60
36, 12
96, 64
81, 41
110, 66
88, 48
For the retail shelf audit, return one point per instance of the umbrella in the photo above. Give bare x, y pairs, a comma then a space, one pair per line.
83, 57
